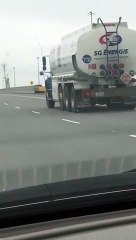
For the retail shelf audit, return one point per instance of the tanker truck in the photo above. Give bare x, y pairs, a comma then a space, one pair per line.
94, 65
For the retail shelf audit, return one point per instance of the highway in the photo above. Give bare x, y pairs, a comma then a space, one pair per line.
39, 145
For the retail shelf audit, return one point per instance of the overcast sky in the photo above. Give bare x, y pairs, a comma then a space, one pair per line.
25, 23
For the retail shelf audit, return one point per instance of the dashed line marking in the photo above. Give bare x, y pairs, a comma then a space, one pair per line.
6, 104
70, 121
133, 136
36, 112
17, 107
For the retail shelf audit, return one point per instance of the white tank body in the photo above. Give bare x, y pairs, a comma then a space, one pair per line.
89, 47
61, 55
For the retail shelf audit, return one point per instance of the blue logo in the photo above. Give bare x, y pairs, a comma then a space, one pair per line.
87, 59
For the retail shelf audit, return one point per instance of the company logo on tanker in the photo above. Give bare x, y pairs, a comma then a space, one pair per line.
86, 59
112, 39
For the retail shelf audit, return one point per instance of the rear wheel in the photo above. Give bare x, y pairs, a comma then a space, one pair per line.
61, 99
50, 103
67, 99
73, 100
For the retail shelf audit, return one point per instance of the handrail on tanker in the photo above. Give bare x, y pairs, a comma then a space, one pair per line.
100, 20
117, 36
119, 23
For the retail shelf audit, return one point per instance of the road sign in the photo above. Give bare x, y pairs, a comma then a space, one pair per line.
126, 78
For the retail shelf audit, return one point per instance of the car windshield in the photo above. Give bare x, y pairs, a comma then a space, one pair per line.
67, 90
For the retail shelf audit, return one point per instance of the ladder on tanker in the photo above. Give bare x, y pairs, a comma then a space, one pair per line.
114, 42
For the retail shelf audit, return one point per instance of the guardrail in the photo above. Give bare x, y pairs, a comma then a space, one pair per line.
23, 89
42, 174
19, 90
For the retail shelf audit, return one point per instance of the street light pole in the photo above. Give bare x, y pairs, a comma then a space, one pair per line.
4, 71
14, 72
38, 70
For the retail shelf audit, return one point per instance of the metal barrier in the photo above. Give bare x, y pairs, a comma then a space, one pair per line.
30, 176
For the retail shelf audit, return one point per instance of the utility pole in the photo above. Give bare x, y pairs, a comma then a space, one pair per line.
38, 69
4, 77
14, 73
7, 82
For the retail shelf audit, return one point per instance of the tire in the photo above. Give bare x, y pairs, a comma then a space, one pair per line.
73, 100
61, 99
50, 103
67, 102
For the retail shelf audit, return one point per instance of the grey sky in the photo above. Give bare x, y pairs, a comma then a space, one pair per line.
23, 21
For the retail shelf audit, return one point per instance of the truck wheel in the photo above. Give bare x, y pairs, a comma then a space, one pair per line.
67, 99
50, 103
61, 99
73, 99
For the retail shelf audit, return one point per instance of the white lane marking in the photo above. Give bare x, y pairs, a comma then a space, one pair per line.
17, 107
133, 136
6, 104
67, 120
24, 96
36, 112
113, 131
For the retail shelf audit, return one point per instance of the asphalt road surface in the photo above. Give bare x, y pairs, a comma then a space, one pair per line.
39, 145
